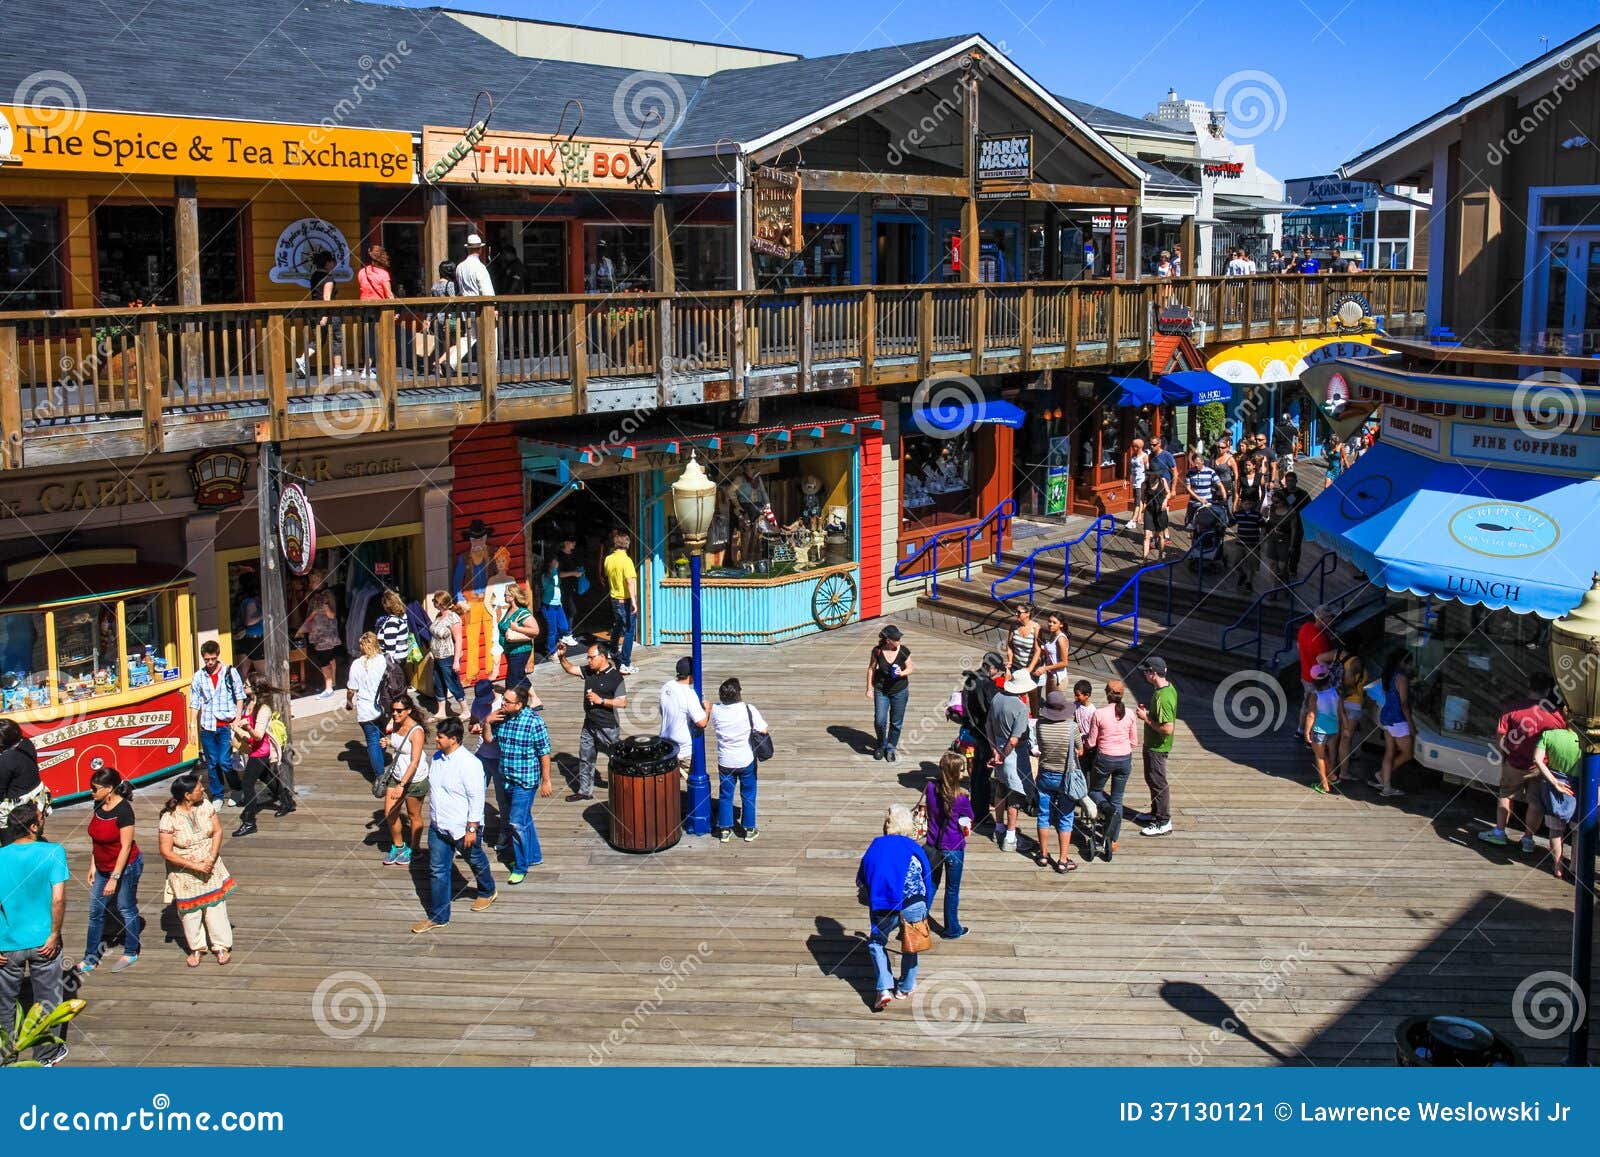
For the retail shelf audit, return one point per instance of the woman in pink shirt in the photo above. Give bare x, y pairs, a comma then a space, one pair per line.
1111, 734
375, 285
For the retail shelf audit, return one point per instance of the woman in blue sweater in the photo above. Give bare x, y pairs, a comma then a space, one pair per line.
896, 882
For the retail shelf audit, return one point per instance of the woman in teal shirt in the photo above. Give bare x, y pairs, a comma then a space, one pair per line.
518, 630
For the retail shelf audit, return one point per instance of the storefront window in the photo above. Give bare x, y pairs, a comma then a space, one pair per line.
824, 258
937, 486
136, 255
527, 256
24, 662
150, 634
30, 268
776, 516
89, 661
702, 257
1470, 662
403, 241
616, 258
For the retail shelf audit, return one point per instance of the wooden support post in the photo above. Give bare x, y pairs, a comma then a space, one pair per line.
665, 347
869, 335
747, 217
1025, 327
1274, 304
274, 597
276, 360
1190, 232
489, 358
435, 233
10, 400
388, 387
1074, 303
186, 224
925, 334
1134, 261
808, 317
1247, 308
969, 171
736, 353
980, 325
150, 385
1052, 242
578, 355
663, 272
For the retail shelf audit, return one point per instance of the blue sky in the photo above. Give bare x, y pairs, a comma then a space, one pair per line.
1350, 72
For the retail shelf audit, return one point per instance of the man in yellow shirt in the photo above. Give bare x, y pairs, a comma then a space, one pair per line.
623, 579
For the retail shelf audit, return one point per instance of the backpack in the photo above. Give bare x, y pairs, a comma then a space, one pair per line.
391, 687
277, 738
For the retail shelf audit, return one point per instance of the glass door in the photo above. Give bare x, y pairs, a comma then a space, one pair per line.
1567, 281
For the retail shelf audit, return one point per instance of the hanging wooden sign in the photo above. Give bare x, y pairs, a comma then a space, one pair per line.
776, 228
297, 530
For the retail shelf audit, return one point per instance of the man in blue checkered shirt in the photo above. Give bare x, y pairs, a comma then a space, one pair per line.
519, 732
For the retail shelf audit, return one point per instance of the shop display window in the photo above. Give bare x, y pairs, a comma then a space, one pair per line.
775, 517
824, 258
92, 657
1470, 661
136, 255
702, 257
527, 256
30, 265
937, 487
616, 259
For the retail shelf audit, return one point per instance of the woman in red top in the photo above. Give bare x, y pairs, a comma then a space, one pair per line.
375, 285
116, 868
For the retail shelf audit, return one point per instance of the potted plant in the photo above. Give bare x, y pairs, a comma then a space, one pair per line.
680, 567
33, 1029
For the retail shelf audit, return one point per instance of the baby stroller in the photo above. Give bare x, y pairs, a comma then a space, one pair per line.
1209, 526
964, 744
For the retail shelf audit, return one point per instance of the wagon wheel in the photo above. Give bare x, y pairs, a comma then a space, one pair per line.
833, 601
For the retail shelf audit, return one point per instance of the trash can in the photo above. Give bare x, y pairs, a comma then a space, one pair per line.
646, 803
1451, 1042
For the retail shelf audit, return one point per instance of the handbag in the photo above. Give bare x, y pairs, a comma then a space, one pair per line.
1076, 783
760, 742
414, 655
919, 823
915, 936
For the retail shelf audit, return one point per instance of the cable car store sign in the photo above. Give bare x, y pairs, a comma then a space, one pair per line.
56, 140
552, 162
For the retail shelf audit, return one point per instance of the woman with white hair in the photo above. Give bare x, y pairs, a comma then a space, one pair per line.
895, 881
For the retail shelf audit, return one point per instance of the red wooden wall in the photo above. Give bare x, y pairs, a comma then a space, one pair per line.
488, 485
871, 516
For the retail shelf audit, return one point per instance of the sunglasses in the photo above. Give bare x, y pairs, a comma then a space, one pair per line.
397, 711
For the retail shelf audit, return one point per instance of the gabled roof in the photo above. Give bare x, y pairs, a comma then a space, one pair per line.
1111, 121
300, 61
1551, 62
745, 104
1160, 179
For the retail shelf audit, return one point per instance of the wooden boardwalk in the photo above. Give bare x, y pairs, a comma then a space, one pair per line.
1311, 924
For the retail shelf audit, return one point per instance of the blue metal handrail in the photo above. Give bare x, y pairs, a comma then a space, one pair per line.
1100, 527
1000, 514
1196, 548
1325, 566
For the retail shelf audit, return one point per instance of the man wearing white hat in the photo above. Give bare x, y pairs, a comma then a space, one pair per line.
472, 275
1007, 726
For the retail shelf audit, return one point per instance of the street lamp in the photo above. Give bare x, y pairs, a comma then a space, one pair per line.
694, 501
1575, 659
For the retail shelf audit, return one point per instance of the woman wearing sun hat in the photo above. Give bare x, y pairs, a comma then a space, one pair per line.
1007, 730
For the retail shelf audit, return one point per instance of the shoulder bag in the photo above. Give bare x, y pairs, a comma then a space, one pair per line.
915, 935
760, 741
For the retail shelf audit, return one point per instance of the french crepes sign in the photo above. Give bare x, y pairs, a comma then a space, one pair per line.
138, 741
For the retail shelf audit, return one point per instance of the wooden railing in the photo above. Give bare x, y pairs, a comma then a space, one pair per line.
140, 381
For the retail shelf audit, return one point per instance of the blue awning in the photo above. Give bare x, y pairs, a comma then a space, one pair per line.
1195, 388
1136, 392
1497, 538
955, 417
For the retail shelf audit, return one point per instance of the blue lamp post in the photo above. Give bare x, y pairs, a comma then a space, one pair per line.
1575, 657
694, 501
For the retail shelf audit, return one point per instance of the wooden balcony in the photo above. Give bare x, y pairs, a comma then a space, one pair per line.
111, 383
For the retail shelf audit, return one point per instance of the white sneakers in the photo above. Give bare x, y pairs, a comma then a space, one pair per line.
1155, 829
1009, 843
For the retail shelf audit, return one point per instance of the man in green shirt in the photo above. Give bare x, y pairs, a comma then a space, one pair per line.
1160, 720
1556, 758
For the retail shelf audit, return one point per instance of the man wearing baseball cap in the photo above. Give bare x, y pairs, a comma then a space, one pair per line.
1007, 728
1160, 721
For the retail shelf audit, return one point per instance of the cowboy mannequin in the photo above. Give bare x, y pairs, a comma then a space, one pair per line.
476, 567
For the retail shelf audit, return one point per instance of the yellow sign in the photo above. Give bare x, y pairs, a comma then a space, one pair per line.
496, 158
58, 140
1249, 363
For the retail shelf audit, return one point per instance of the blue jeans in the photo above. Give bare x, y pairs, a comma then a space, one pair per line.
442, 849
517, 668
888, 713
949, 863
1053, 800
446, 681
372, 731
745, 778
1115, 770
555, 625
127, 900
884, 925
216, 752
518, 816
622, 626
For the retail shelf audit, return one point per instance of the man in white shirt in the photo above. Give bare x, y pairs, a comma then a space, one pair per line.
681, 710
455, 800
472, 275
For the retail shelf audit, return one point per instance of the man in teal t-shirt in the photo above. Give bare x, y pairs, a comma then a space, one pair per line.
1160, 721
33, 901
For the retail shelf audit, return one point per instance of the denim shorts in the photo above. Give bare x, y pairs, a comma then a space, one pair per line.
1054, 804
